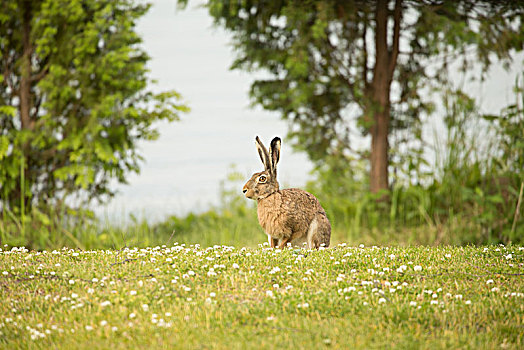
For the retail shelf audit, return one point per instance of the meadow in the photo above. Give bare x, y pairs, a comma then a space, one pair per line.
187, 296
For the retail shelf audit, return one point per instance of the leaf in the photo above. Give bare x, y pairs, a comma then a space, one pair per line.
8, 110
43, 218
4, 146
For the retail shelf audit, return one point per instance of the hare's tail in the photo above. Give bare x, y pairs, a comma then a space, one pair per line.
319, 231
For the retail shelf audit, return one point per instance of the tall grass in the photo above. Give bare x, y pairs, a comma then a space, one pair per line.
472, 194
233, 221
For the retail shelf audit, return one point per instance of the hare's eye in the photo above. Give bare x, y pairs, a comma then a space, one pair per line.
262, 178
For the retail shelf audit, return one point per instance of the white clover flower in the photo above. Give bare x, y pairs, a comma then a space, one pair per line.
495, 289
105, 303
434, 302
381, 300
417, 268
458, 296
191, 273
274, 270
133, 292
71, 282
114, 329
392, 256
448, 256
133, 315
94, 280
145, 307
269, 293
489, 281
235, 266
212, 294
89, 328
468, 302
412, 303
103, 323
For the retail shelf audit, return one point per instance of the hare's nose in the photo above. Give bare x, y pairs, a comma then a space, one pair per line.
244, 190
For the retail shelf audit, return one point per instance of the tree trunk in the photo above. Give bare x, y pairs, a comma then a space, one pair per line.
379, 110
25, 79
380, 103
25, 104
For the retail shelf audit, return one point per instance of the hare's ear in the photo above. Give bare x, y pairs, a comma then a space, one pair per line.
262, 152
274, 154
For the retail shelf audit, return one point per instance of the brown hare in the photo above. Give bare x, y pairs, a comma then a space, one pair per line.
290, 215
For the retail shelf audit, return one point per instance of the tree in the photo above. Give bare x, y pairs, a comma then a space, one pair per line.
328, 61
74, 101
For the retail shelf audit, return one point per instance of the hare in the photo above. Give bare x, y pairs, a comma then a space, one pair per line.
290, 215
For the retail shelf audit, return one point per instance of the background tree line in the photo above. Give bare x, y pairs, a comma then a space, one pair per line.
75, 100
383, 69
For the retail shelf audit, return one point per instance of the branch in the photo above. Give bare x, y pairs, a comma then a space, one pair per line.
397, 16
365, 49
37, 77
7, 77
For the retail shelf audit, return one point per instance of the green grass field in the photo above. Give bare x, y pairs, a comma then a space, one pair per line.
231, 298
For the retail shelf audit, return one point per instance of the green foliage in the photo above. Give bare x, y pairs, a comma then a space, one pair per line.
89, 104
232, 221
319, 62
469, 194
188, 297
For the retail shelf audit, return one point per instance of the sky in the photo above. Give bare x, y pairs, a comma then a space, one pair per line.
183, 169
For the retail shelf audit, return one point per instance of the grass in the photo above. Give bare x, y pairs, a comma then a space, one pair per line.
224, 297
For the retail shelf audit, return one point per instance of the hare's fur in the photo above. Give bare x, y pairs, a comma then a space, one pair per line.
290, 215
